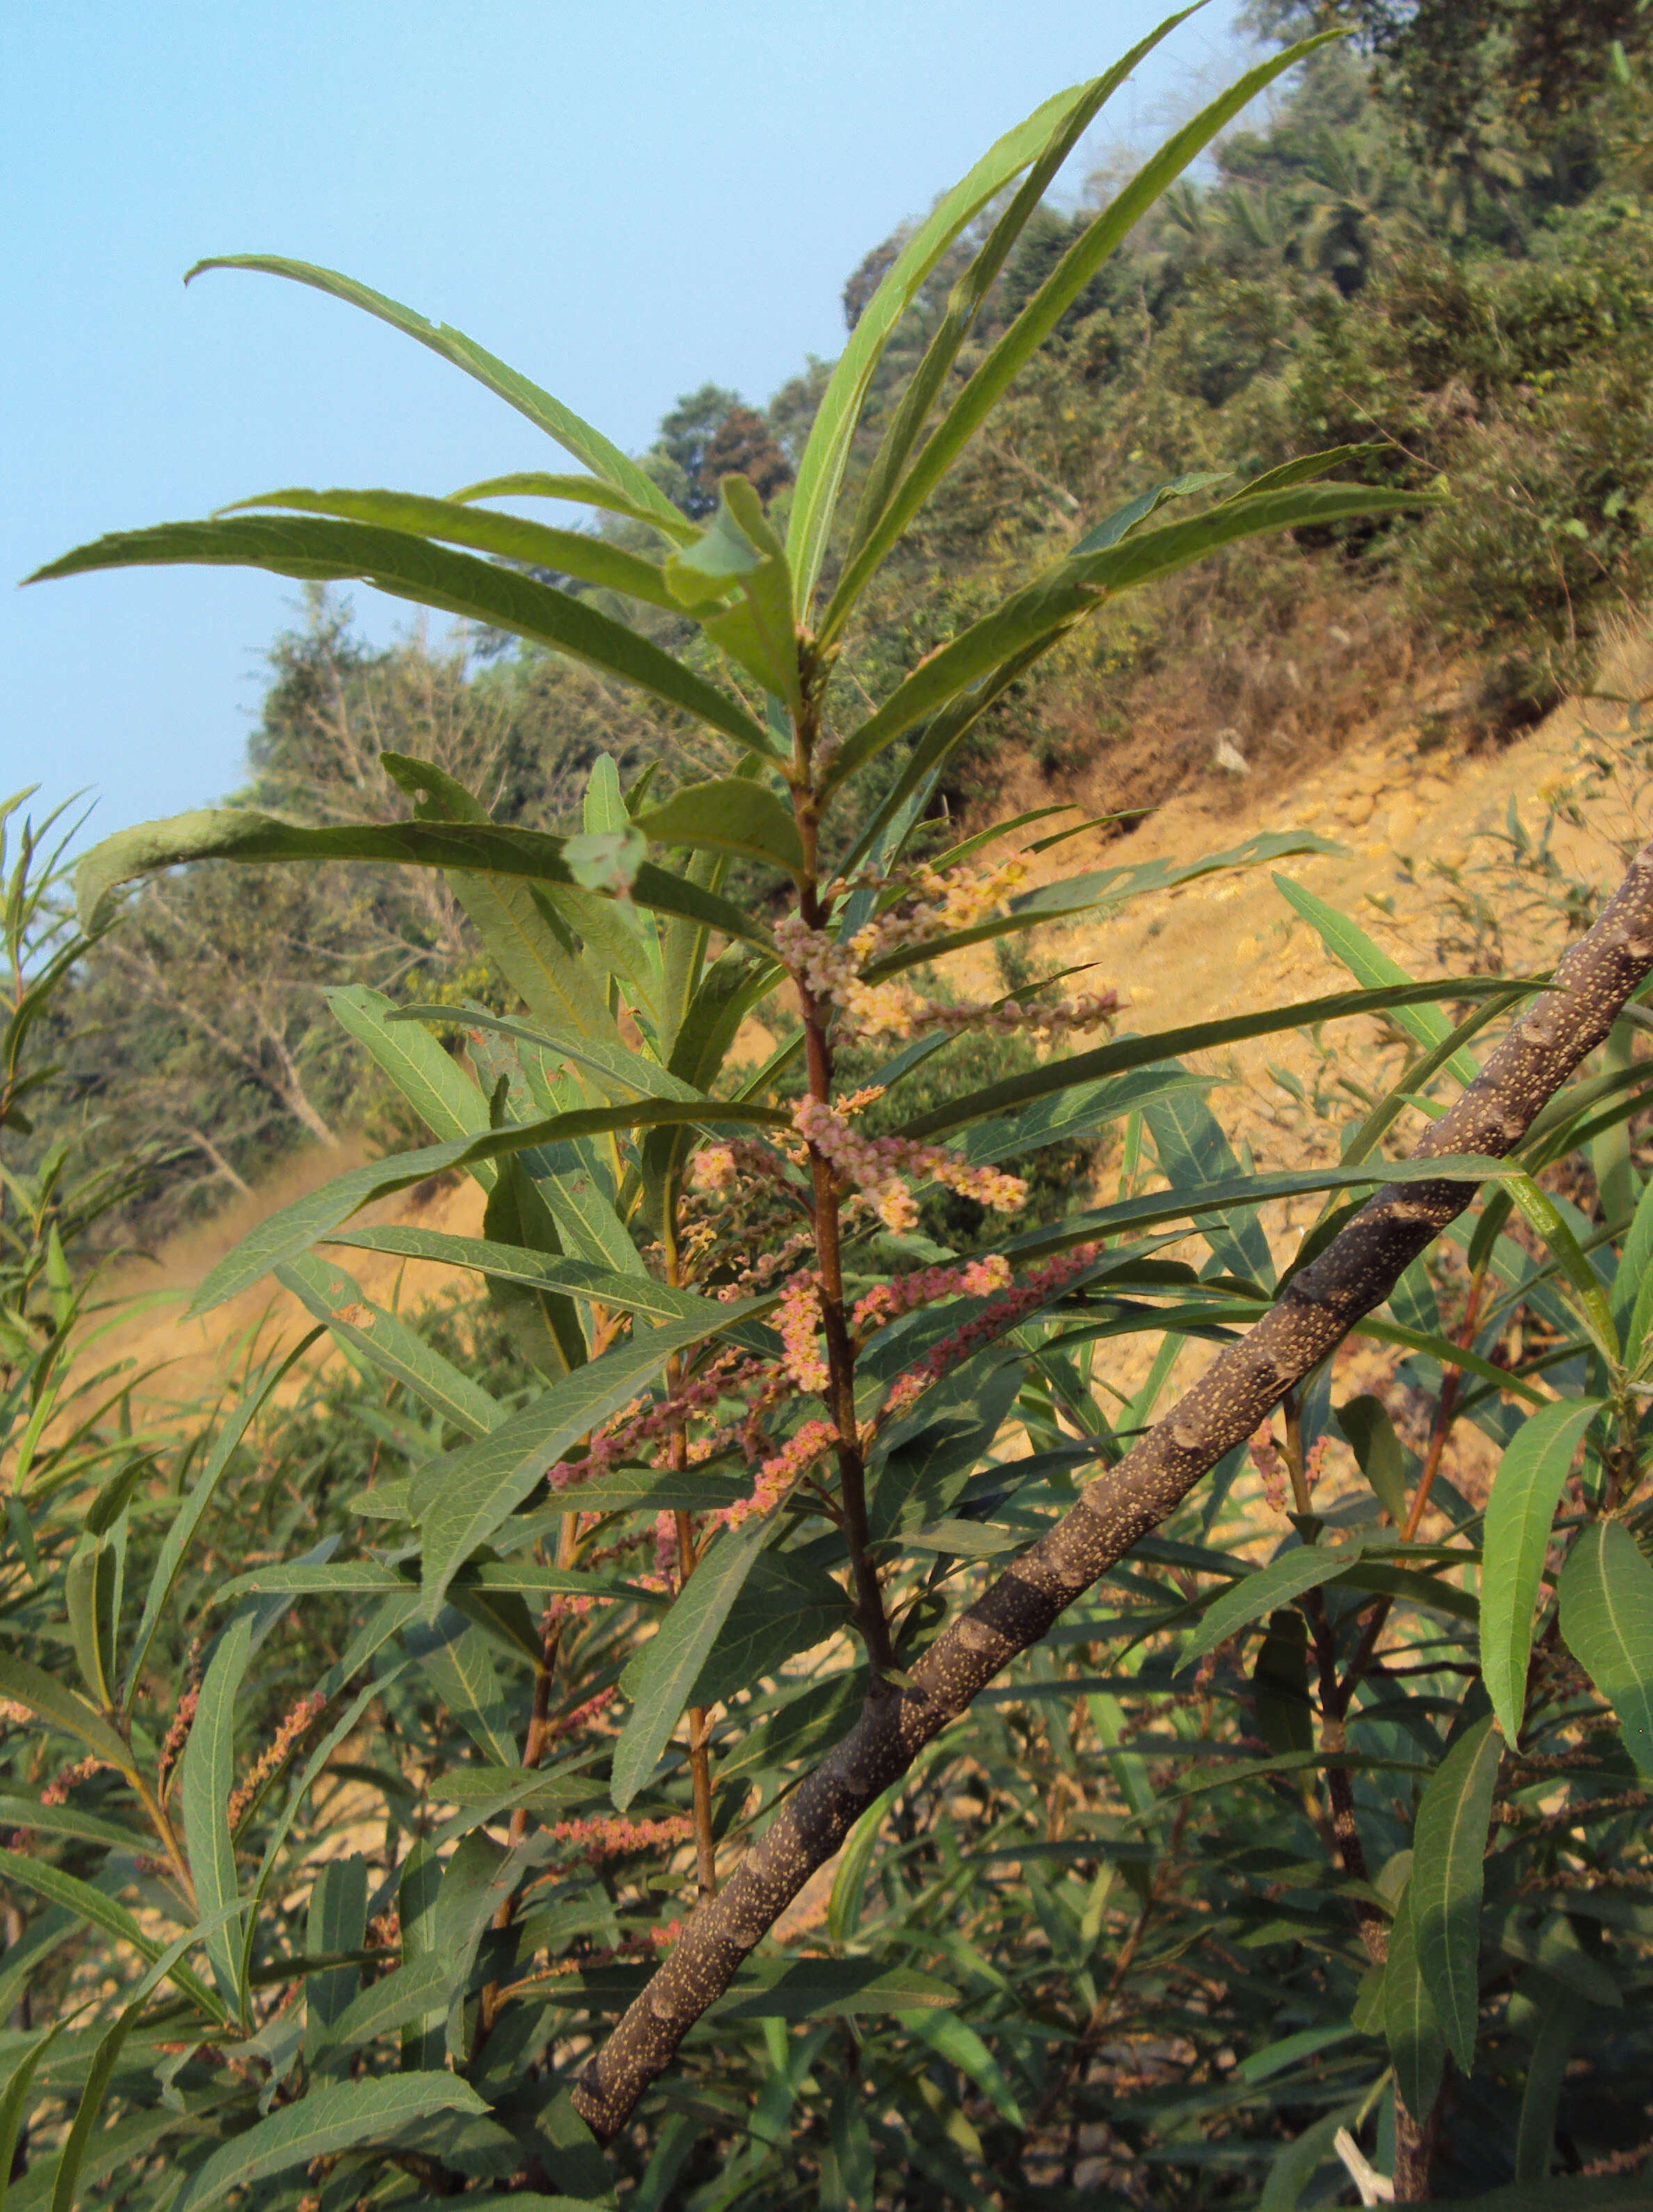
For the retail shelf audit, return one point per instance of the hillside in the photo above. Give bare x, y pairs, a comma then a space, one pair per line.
1408, 827
1468, 315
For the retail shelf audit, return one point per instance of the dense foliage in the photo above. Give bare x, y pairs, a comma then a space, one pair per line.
419, 1783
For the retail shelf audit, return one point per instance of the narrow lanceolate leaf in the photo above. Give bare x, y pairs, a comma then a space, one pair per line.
351, 2117
515, 1263
105, 2058
14, 2098
57, 1706
821, 470
970, 294
1129, 1052
1276, 1584
1413, 2033
729, 814
387, 1343
582, 491
1368, 964
1519, 1514
1606, 1619
463, 1497
574, 434
675, 1658
1101, 887
98, 1910
566, 552
1539, 1210
1068, 591
431, 575
190, 1513
1154, 1207
482, 848
1005, 359
446, 1100
1447, 1879
209, 1780
421, 1986
293, 1228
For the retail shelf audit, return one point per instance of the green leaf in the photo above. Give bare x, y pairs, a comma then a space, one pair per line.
821, 469
105, 2058
1360, 1142
733, 987
1448, 1876
460, 847
830, 1989
430, 575
543, 1324
787, 1604
1121, 523
1258, 1190
291, 1231
956, 2045
463, 1674
1279, 1685
1371, 1433
525, 934
567, 552
1562, 2192
1064, 594
1129, 1052
1538, 1210
208, 1782
971, 293
675, 1656
514, 1263
1004, 360
1607, 1621
729, 814
504, 1786
60, 1707
1632, 1281
1520, 1513
89, 1600
586, 491
462, 1499
448, 1102
1192, 1153
388, 1344
27, 1812
348, 2117
91, 1906
1308, 467
421, 1986
574, 434
388, 1617
1075, 1110
1304, 1568
1416, 2048
307, 1577
1448, 1354
14, 2098
1426, 1026
739, 547
1561, 2015
653, 1490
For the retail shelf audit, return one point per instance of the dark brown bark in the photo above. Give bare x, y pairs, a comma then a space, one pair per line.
1355, 1274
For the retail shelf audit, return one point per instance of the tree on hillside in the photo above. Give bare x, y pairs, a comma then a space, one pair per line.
712, 434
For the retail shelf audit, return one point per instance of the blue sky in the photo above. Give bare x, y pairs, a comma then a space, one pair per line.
624, 201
